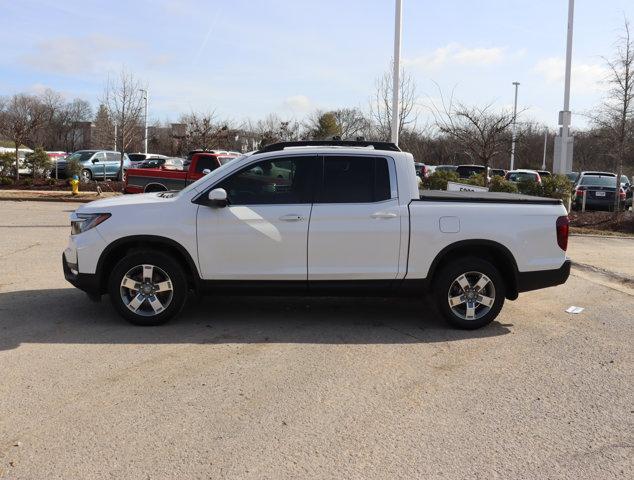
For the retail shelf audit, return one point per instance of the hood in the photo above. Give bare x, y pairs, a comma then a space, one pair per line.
122, 201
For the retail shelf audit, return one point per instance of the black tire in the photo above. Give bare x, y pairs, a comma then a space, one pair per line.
446, 285
165, 270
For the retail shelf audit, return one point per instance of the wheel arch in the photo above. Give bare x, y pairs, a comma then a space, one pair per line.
154, 187
120, 247
489, 250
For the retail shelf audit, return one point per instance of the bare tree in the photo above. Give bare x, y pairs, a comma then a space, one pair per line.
381, 104
124, 99
349, 123
273, 129
202, 129
615, 117
480, 131
20, 116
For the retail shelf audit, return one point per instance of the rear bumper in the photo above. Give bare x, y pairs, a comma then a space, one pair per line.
527, 281
87, 282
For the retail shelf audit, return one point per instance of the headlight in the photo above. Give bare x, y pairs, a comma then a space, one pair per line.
85, 221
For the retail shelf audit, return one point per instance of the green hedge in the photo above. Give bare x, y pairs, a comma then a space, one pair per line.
554, 186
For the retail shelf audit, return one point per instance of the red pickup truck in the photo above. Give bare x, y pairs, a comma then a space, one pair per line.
171, 176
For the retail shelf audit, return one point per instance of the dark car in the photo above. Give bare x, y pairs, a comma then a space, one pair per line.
466, 171
599, 191
572, 176
497, 172
544, 173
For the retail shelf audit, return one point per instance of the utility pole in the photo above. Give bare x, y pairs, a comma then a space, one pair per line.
517, 84
145, 97
563, 142
545, 147
398, 22
115, 136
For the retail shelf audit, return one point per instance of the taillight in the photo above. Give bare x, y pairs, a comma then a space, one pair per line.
622, 194
563, 228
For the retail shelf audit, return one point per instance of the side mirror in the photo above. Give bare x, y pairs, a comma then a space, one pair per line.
95, 160
218, 197
206, 171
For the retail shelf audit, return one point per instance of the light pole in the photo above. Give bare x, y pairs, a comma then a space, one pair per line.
517, 84
145, 95
398, 22
545, 147
563, 141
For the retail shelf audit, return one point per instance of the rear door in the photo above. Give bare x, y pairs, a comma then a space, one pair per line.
113, 160
355, 224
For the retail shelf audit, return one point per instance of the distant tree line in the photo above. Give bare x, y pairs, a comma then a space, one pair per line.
459, 132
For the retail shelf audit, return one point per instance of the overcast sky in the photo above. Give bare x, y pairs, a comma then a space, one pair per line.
248, 58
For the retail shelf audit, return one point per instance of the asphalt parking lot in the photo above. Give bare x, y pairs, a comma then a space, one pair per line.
309, 388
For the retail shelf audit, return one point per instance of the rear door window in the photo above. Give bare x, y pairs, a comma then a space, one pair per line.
350, 179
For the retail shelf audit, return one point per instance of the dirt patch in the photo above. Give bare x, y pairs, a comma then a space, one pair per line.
63, 185
602, 221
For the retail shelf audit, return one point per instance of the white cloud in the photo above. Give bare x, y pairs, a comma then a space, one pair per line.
73, 55
585, 77
457, 54
298, 103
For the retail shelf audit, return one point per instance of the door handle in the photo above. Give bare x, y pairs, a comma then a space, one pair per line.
292, 217
384, 215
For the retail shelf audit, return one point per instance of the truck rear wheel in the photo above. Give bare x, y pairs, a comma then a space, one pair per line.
147, 288
469, 292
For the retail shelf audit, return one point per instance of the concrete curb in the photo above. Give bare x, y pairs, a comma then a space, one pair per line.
594, 235
619, 277
52, 196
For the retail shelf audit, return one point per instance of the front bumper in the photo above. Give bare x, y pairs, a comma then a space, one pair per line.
527, 281
87, 282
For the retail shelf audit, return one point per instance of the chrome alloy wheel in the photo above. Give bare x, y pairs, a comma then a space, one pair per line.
471, 296
146, 290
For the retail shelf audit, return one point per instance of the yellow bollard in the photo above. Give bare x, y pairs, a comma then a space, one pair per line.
74, 184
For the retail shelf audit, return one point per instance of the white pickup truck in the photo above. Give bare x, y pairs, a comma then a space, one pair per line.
317, 218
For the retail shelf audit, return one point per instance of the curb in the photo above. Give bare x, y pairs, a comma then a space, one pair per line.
619, 277
52, 196
594, 235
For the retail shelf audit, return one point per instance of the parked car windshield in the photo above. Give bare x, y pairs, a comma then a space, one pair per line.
522, 177
467, 171
80, 156
598, 181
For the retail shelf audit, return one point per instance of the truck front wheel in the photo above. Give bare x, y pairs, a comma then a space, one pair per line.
147, 288
469, 292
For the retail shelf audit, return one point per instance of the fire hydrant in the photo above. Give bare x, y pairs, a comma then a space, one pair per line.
74, 184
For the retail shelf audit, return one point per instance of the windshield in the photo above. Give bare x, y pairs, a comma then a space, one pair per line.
217, 172
80, 156
522, 177
466, 172
224, 160
598, 181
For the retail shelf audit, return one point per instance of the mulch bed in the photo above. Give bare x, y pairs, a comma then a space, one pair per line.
64, 185
604, 221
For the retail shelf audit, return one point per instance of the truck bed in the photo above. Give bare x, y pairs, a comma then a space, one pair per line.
484, 197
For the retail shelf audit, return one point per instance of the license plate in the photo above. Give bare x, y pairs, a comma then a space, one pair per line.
599, 194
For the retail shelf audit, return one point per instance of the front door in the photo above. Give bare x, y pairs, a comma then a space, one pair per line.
355, 224
262, 234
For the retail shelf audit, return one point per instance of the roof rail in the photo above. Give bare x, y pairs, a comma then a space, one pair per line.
275, 147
